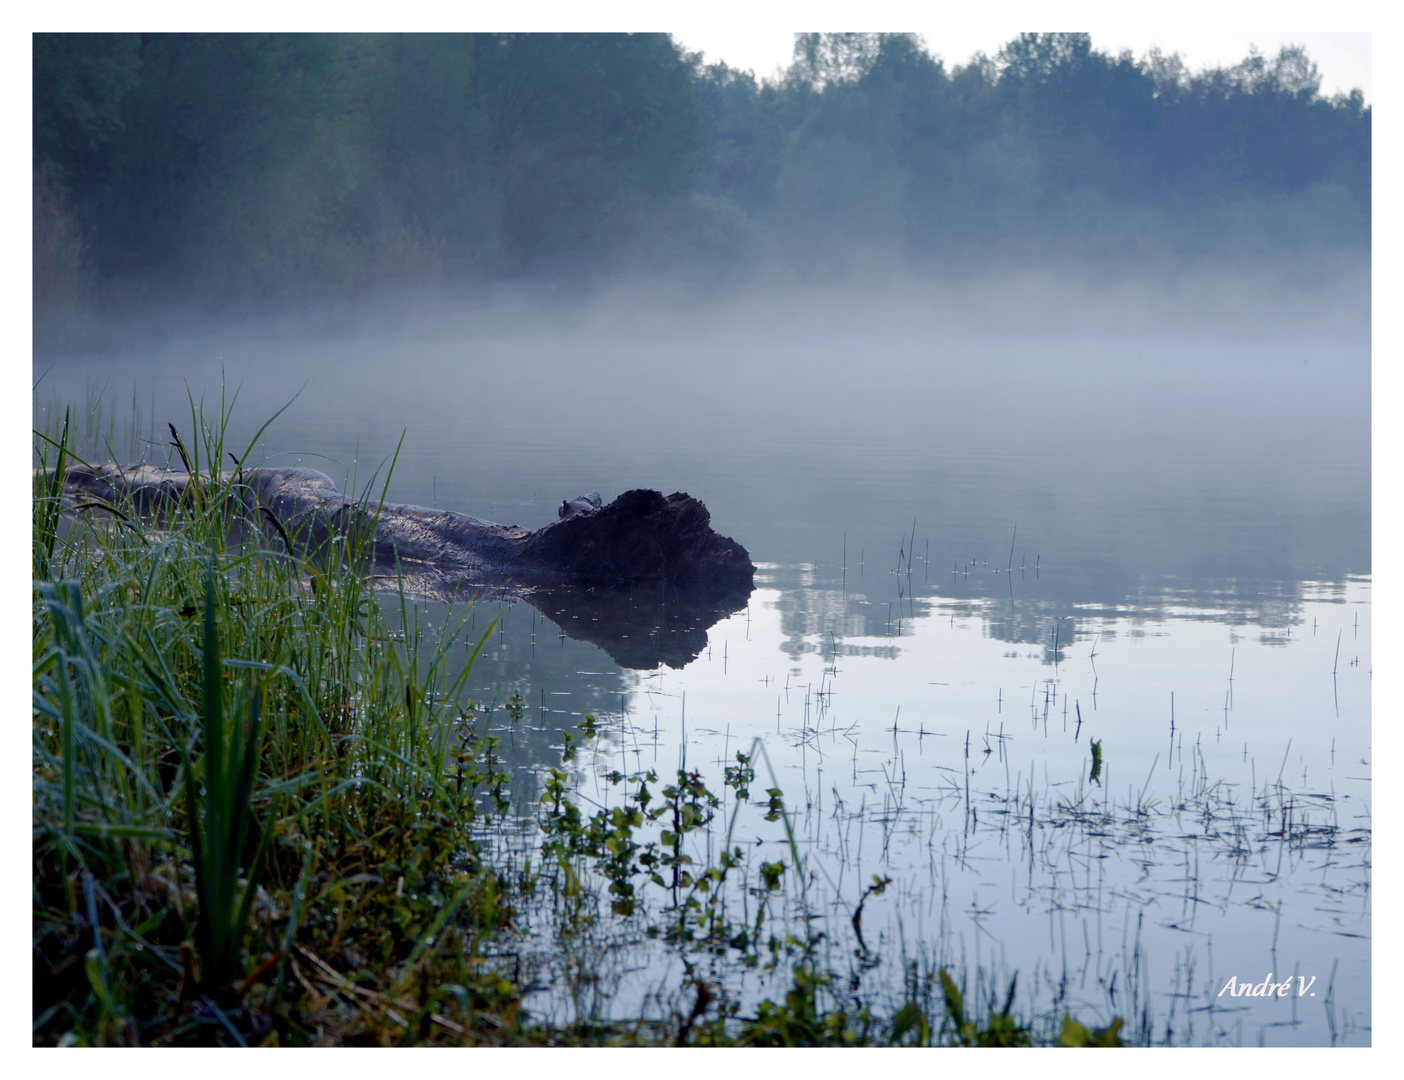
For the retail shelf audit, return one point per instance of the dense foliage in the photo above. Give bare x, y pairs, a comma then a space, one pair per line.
1051, 147
268, 166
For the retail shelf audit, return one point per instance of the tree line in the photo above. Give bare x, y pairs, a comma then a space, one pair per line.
233, 167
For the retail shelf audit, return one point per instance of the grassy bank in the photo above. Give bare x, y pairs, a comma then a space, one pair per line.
264, 814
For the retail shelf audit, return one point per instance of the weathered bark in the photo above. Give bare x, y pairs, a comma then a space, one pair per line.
641, 538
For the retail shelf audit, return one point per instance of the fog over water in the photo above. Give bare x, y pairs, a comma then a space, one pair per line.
998, 518
1130, 442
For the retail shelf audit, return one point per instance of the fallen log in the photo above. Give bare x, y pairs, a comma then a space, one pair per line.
642, 538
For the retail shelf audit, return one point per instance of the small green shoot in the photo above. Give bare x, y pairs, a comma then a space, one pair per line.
1075, 1034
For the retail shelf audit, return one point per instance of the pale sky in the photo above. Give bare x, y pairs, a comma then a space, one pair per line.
758, 35
1342, 58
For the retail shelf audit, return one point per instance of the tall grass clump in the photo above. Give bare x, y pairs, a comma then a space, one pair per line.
238, 771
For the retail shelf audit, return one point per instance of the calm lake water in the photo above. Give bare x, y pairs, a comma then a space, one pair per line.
983, 542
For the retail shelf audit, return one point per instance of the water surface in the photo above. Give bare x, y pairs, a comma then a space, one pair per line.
981, 545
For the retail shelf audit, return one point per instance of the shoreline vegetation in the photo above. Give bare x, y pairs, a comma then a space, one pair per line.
265, 816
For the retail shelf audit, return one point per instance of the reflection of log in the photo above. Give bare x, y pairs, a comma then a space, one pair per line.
677, 574
639, 626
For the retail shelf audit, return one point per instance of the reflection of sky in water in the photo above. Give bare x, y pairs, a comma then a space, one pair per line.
975, 536
869, 737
